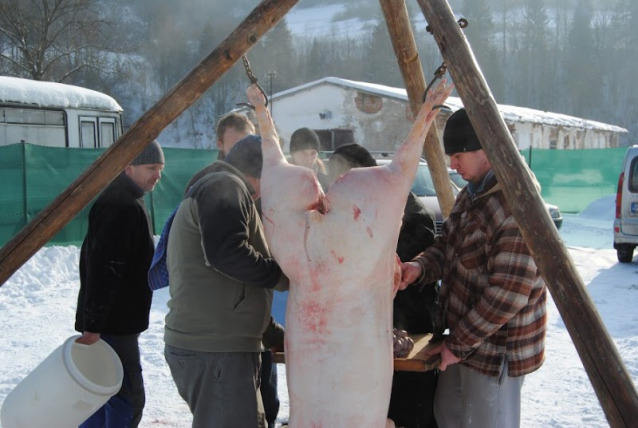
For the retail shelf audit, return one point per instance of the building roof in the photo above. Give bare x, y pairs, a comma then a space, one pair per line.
508, 112
50, 94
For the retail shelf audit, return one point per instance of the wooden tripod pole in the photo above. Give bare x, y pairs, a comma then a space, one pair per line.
63, 208
398, 21
607, 373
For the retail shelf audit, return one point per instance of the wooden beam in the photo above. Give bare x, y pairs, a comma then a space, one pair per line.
59, 212
398, 21
607, 373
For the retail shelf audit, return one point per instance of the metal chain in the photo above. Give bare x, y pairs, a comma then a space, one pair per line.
253, 80
249, 71
440, 72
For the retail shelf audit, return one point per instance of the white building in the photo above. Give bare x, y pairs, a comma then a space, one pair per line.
379, 117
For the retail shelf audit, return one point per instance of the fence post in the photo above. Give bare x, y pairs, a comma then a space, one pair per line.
25, 196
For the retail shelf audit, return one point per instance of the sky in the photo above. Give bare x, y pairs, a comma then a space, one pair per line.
37, 312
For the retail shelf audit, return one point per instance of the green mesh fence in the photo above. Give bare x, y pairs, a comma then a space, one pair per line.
572, 179
13, 204
180, 166
32, 176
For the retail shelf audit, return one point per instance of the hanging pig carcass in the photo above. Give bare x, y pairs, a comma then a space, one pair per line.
339, 252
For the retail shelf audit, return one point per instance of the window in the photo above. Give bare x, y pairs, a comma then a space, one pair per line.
27, 116
423, 184
633, 176
332, 138
88, 137
107, 133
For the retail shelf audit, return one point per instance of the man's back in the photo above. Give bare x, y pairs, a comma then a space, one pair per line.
220, 287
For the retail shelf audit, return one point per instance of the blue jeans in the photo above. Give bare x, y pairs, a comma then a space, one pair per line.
123, 410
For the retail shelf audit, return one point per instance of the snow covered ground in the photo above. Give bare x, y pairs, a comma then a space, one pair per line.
37, 310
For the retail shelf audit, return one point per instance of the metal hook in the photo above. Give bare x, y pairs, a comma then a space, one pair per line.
440, 72
463, 23
253, 80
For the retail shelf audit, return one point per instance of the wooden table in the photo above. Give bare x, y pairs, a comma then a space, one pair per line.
416, 361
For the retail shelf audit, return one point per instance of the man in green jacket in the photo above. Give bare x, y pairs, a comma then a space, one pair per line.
222, 276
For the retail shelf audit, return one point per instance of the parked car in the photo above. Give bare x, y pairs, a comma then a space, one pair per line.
554, 212
626, 221
423, 187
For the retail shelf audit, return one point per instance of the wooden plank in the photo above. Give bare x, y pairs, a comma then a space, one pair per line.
416, 361
398, 21
63, 208
609, 376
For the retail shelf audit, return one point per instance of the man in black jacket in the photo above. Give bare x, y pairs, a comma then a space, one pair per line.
115, 300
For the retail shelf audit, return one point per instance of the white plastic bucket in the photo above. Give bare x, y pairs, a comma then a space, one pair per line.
66, 388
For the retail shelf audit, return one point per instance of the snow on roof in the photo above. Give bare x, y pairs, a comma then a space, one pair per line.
509, 113
50, 94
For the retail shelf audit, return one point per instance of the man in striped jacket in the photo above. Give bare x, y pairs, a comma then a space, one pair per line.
492, 298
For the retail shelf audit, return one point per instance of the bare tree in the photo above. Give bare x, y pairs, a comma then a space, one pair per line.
51, 39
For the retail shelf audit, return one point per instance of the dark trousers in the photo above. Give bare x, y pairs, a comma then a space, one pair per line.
268, 388
221, 388
412, 399
124, 409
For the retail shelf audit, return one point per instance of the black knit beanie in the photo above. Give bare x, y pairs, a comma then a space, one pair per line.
152, 154
246, 156
304, 138
459, 135
355, 155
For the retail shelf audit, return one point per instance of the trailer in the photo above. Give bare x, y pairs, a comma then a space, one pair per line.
56, 115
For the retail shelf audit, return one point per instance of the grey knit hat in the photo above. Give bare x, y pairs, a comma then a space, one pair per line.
304, 138
152, 154
459, 135
246, 156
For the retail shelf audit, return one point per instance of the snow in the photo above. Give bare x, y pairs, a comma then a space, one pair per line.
508, 112
37, 312
317, 22
50, 94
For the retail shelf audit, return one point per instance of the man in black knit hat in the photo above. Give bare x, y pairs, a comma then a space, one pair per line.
115, 300
492, 298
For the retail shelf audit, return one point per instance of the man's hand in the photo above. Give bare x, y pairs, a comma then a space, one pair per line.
277, 348
447, 357
88, 338
410, 272
397, 277
255, 97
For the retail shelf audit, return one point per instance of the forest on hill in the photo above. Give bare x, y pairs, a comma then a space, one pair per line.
577, 57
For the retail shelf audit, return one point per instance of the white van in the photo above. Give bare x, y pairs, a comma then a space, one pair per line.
56, 115
626, 221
